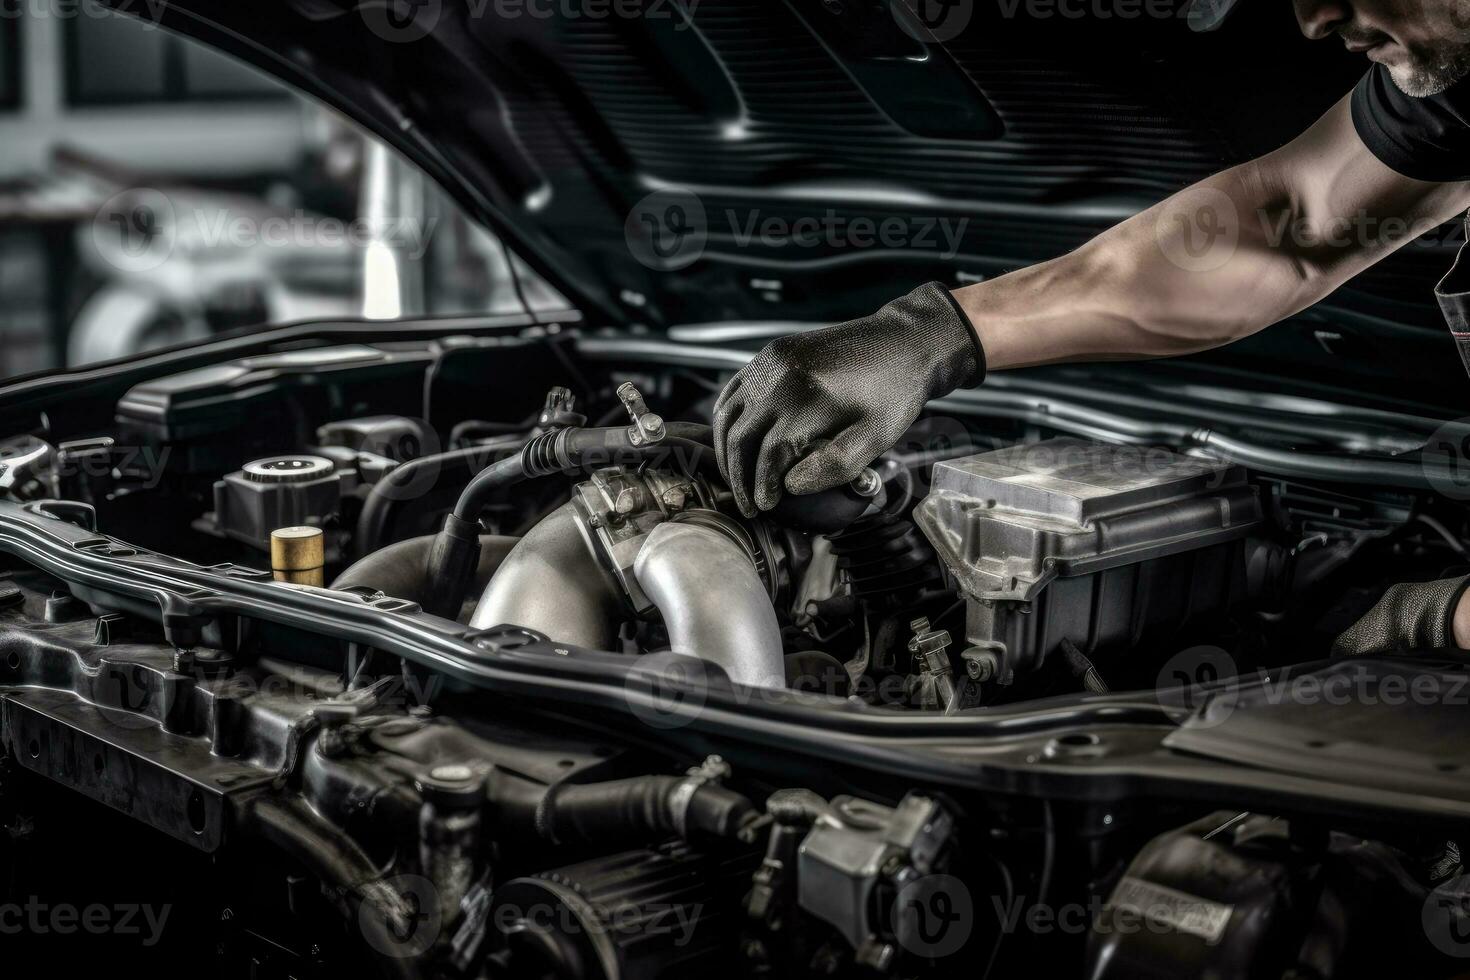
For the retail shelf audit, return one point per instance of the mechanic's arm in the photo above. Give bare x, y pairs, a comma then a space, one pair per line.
812, 409
1304, 219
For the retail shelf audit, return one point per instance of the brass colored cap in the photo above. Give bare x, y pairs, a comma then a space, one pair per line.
297, 549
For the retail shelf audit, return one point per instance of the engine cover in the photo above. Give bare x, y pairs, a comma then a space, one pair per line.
1098, 544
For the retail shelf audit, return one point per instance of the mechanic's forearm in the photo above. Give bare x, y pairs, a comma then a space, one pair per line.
1234, 253
1460, 624
1198, 270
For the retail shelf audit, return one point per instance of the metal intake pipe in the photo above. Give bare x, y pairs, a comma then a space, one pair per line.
713, 602
551, 582
703, 583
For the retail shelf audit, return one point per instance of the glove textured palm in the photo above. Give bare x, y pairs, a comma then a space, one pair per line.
812, 409
1410, 616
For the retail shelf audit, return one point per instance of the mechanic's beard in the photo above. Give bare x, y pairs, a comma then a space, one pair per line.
1431, 73
1431, 70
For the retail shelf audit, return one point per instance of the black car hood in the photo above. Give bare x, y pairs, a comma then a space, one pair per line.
692, 161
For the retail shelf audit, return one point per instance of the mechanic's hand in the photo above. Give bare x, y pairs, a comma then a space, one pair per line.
1412, 616
812, 409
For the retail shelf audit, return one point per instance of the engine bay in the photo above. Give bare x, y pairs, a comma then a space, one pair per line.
469, 631
974, 564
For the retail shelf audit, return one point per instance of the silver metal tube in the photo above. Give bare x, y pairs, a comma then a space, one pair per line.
713, 602
551, 582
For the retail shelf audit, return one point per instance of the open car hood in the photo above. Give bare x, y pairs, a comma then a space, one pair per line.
671, 162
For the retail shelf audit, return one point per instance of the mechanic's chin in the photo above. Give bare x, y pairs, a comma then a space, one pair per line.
1418, 76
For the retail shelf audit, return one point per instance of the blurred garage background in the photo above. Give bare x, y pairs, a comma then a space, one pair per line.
153, 191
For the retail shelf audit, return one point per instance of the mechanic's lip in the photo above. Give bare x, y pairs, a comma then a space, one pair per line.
1360, 48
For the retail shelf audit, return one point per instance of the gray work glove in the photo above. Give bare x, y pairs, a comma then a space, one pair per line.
812, 409
1411, 616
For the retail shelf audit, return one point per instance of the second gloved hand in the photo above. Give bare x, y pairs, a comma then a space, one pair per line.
1410, 616
812, 409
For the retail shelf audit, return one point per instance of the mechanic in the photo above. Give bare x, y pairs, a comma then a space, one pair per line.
811, 410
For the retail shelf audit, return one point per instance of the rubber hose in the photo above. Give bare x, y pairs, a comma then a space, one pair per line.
570, 450
391, 493
399, 569
497, 476
644, 808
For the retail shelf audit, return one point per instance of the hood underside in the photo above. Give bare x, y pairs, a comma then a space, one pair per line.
689, 161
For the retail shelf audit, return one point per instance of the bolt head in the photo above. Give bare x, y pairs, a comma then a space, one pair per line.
981, 665
867, 483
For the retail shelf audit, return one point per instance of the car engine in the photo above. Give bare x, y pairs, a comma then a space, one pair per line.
333, 627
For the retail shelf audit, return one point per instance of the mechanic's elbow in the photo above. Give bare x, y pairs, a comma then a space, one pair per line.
1306, 253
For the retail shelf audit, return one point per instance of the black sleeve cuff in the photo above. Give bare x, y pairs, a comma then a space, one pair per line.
964, 318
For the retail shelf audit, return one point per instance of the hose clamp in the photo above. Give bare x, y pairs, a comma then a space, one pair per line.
708, 773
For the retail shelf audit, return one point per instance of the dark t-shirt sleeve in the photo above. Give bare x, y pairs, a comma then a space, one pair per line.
1426, 138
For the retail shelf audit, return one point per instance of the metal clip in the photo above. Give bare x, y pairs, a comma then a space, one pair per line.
934, 678
648, 427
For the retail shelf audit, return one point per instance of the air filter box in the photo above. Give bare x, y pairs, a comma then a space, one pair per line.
1111, 547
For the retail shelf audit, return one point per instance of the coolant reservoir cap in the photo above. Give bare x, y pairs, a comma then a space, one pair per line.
288, 469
